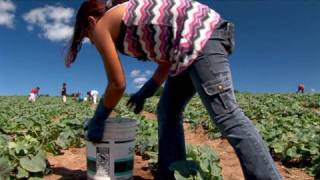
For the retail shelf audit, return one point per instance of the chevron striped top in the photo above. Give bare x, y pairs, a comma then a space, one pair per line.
170, 30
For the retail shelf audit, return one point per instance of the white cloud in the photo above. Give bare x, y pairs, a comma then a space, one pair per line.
148, 72
86, 40
54, 22
30, 28
313, 90
139, 81
7, 10
135, 73
140, 78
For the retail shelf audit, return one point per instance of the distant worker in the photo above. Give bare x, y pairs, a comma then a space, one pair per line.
33, 94
76, 96
92, 96
79, 97
301, 88
64, 92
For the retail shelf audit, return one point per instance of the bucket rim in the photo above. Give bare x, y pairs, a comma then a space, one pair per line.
117, 120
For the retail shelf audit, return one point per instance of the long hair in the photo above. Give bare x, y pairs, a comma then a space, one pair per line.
95, 8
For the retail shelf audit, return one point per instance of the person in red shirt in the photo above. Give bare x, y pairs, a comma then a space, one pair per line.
301, 88
33, 94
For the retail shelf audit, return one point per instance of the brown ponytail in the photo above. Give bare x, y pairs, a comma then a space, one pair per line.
95, 8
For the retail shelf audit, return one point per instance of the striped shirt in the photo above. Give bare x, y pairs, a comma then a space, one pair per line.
168, 30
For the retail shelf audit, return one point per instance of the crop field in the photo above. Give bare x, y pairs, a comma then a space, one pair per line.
30, 132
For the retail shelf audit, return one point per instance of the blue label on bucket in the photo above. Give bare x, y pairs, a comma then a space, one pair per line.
123, 166
91, 165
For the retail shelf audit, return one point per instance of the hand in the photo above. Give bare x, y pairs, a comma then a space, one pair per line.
137, 100
94, 128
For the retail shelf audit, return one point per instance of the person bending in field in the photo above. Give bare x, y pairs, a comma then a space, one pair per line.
64, 92
191, 44
93, 96
34, 93
300, 88
76, 96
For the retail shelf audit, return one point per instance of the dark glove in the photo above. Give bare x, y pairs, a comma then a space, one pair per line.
137, 100
94, 128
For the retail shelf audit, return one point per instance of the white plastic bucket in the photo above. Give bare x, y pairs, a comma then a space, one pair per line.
113, 158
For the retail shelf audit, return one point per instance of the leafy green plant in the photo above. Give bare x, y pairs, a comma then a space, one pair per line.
289, 124
30, 130
202, 163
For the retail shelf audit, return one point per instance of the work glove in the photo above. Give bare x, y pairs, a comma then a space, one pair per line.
94, 128
138, 99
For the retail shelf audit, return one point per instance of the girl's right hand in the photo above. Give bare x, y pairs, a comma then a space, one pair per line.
94, 128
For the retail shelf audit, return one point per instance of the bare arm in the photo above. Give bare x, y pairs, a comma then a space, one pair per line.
161, 73
113, 67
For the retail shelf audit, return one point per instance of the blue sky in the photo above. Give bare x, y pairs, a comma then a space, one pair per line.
277, 47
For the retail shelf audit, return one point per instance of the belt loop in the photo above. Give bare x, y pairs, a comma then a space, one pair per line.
228, 26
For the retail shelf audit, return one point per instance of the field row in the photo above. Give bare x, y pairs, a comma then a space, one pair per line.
289, 124
28, 131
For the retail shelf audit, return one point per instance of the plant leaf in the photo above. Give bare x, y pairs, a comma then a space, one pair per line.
5, 168
22, 173
34, 164
185, 168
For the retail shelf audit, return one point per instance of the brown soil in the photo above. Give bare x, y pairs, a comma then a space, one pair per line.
72, 163
229, 162
149, 115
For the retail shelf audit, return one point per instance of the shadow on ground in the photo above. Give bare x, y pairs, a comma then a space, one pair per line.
69, 174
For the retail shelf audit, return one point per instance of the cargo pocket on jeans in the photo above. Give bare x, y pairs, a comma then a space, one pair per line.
221, 95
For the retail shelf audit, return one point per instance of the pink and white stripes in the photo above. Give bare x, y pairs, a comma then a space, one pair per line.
171, 30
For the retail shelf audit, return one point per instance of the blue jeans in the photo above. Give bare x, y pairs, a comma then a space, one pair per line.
210, 77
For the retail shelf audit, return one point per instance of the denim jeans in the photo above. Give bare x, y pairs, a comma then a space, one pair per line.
210, 77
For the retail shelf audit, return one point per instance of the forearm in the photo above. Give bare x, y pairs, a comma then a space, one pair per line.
161, 73
112, 96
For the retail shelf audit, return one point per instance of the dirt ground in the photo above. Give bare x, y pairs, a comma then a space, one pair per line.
229, 162
72, 163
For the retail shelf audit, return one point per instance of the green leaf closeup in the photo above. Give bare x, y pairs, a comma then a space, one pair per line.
34, 164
